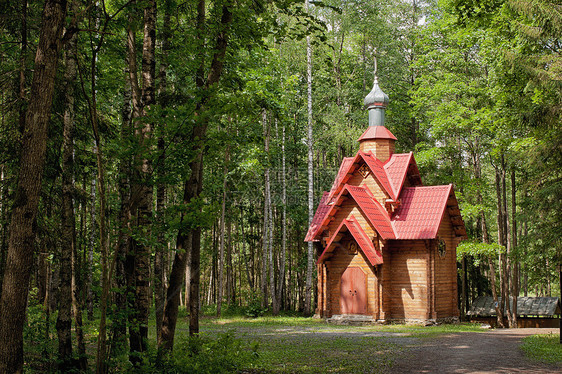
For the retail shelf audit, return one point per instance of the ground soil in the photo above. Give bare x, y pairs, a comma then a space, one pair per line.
494, 351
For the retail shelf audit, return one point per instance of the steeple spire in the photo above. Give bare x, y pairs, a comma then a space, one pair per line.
377, 138
376, 101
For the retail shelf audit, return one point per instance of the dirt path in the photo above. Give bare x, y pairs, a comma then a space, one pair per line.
495, 351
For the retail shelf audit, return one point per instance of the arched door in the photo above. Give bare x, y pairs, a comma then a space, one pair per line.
353, 291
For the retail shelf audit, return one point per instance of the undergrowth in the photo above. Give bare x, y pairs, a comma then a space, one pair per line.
543, 348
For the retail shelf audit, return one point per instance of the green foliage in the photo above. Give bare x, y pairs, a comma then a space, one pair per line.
41, 348
254, 308
479, 251
205, 355
543, 348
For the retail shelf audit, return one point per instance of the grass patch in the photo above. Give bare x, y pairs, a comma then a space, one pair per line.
318, 354
543, 348
419, 331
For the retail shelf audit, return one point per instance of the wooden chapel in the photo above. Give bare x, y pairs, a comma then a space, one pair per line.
386, 244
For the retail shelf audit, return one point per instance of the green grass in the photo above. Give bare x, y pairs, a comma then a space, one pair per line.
543, 348
281, 354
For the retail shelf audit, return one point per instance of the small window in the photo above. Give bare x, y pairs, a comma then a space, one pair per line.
352, 247
442, 248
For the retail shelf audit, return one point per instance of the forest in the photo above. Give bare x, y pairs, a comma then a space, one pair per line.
162, 159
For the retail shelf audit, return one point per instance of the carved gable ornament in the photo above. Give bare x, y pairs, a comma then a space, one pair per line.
364, 170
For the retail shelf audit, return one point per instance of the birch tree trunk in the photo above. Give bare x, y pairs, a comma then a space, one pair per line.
22, 228
274, 301
265, 236
310, 252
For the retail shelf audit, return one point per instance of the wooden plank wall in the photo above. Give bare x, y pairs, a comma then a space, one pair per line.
335, 266
348, 208
372, 184
446, 272
381, 148
408, 280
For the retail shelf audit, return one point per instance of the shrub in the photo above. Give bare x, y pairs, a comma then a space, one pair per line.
254, 308
204, 355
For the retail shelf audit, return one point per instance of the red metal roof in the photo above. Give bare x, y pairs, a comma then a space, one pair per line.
376, 132
346, 170
376, 214
366, 245
321, 211
342, 173
396, 169
377, 168
417, 217
420, 212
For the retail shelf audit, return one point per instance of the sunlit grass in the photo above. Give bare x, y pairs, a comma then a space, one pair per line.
543, 348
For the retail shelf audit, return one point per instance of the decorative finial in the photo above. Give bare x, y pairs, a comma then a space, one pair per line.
376, 101
375, 55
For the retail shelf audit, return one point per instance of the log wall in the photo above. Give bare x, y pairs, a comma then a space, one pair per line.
408, 280
446, 272
348, 208
381, 148
372, 184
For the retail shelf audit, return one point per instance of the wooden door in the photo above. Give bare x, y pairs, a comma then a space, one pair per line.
353, 292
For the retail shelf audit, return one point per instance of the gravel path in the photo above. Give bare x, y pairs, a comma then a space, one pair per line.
495, 351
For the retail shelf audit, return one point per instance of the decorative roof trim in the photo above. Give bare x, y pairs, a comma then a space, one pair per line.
321, 211
366, 157
373, 256
376, 132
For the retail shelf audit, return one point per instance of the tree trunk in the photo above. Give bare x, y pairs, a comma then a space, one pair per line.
515, 252
281, 278
122, 250
101, 354
506, 263
230, 271
464, 291
222, 233
502, 241
190, 240
247, 263
160, 249
64, 320
141, 193
274, 301
498, 305
310, 253
22, 228
90, 254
